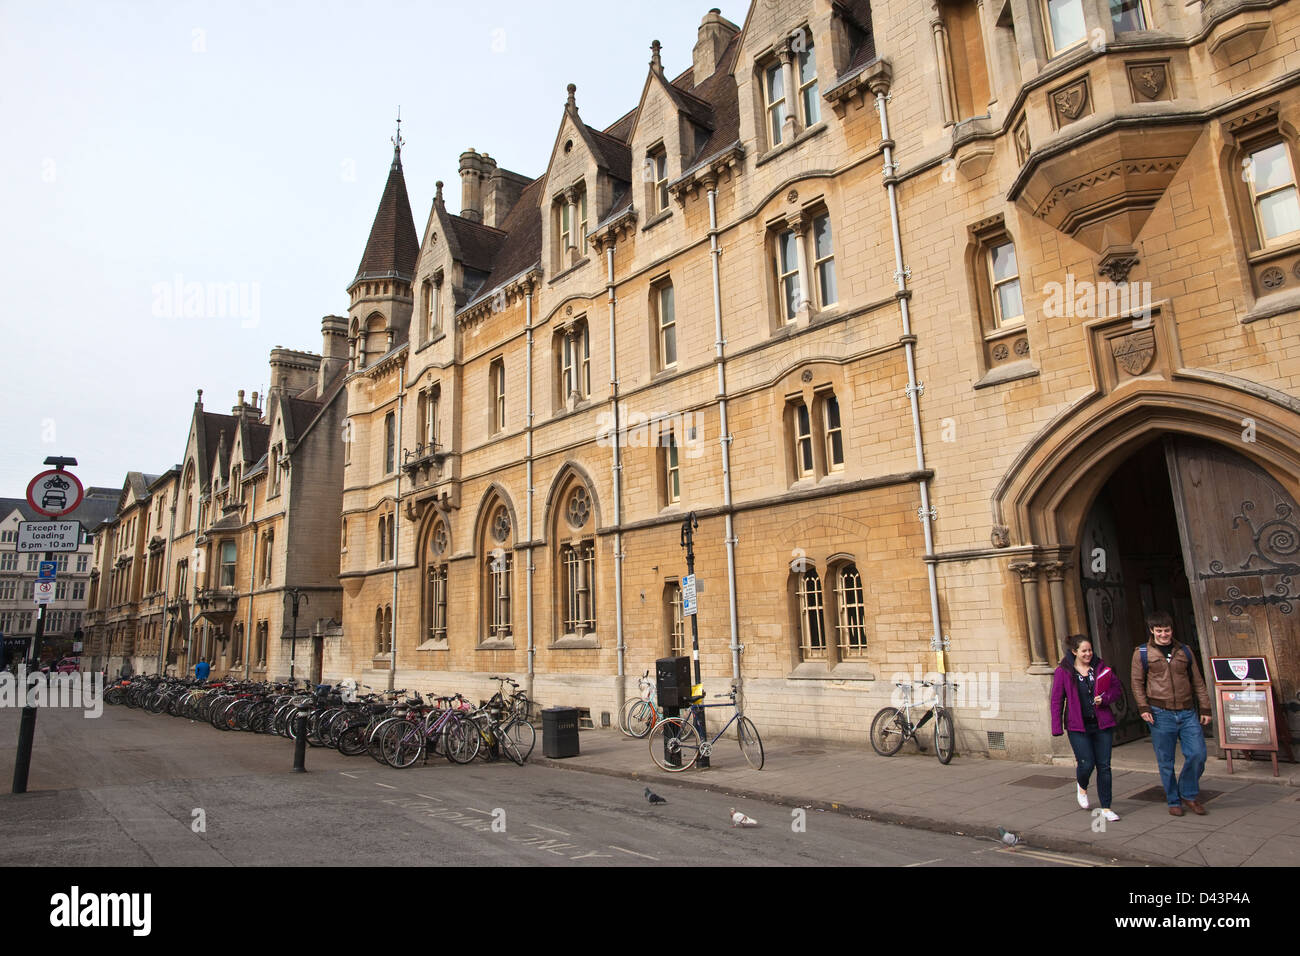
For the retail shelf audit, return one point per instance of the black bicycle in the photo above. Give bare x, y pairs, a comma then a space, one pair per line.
893, 726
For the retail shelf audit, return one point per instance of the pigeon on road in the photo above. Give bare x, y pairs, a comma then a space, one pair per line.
1007, 837
738, 819
652, 797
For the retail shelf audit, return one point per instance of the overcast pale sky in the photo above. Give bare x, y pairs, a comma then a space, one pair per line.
151, 144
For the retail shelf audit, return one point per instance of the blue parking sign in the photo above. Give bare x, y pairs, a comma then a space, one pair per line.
47, 570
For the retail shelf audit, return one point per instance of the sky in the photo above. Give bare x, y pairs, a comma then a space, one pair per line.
239, 149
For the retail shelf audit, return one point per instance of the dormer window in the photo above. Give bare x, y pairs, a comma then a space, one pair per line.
433, 306
658, 168
571, 226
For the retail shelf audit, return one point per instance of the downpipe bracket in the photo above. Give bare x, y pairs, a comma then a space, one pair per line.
922, 513
918, 389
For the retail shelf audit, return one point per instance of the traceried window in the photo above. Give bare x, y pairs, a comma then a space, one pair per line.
578, 563
812, 625
851, 628
831, 428
1272, 184
499, 567
437, 606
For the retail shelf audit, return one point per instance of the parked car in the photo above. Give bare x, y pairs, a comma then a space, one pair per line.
65, 666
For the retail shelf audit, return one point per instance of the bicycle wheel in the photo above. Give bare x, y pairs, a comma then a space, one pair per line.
674, 738
402, 744
750, 743
461, 741
945, 736
640, 718
888, 731
523, 736
374, 738
506, 744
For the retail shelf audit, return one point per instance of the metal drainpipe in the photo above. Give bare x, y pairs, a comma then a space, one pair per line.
618, 487
163, 640
926, 513
724, 437
252, 585
397, 524
528, 504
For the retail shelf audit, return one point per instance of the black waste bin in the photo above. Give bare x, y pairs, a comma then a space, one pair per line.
560, 732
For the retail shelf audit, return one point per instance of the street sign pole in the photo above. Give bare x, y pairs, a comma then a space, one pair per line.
688, 542
27, 726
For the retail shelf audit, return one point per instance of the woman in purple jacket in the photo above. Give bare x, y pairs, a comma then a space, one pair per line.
1083, 688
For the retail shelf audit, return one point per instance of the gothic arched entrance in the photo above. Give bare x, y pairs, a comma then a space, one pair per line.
1194, 528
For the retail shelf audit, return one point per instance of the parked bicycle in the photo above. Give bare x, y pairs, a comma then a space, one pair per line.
641, 713
676, 745
893, 726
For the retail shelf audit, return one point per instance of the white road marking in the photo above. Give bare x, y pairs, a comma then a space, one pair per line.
644, 856
346, 774
384, 785
485, 813
549, 830
924, 862
427, 797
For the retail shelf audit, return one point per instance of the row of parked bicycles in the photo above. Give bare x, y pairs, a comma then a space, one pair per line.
396, 727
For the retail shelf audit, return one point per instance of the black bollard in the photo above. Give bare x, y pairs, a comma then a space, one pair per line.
300, 744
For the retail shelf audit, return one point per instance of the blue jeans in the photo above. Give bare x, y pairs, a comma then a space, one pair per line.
1092, 749
1173, 727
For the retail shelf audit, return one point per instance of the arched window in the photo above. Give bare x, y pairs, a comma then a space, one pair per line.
851, 621
435, 589
497, 568
812, 626
573, 532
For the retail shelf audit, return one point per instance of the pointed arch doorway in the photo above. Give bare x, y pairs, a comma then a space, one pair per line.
1197, 529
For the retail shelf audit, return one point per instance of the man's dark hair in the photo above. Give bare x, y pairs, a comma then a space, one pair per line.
1159, 619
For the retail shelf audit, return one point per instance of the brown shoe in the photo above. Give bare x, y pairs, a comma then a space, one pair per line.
1195, 807
1175, 811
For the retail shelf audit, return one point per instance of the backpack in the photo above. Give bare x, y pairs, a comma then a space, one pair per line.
1143, 652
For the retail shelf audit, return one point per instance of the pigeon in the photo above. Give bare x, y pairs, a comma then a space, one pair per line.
652, 797
738, 819
1007, 837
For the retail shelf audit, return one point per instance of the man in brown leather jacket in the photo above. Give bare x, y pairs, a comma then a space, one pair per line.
1169, 691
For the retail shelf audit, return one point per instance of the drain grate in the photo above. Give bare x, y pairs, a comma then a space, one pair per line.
997, 740
1041, 781
1156, 794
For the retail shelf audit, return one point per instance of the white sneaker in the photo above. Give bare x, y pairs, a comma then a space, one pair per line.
1083, 796
1110, 815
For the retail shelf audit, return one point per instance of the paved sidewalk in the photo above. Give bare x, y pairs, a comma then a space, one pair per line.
1253, 820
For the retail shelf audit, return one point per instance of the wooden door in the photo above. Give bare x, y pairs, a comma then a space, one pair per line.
1241, 545
1102, 574
317, 659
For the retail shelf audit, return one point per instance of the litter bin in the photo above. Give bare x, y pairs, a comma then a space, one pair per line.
560, 732
673, 681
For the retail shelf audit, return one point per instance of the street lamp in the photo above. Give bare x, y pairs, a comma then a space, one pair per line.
297, 594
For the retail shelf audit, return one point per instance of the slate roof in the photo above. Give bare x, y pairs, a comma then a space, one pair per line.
393, 245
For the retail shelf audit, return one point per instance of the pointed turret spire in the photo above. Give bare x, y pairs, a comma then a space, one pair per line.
393, 245
656, 63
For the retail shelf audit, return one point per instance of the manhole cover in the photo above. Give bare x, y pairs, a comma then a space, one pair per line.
807, 753
1156, 794
1041, 781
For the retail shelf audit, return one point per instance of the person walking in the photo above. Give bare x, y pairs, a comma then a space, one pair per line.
202, 669
1083, 690
1169, 691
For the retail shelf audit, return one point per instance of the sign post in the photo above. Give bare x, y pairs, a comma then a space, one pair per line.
689, 590
1245, 696
53, 493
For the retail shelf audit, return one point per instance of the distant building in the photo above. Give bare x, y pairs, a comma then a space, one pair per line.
65, 615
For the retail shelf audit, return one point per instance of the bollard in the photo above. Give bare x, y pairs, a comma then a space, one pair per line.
300, 743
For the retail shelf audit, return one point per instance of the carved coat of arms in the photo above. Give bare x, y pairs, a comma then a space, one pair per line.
1134, 352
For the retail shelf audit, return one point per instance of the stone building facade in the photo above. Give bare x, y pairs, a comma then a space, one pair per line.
958, 327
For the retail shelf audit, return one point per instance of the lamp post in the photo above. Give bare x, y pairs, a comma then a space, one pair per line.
688, 542
298, 595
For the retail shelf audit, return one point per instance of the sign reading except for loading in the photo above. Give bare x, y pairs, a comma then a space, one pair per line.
54, 493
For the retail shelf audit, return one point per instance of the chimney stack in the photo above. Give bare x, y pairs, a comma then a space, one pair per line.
475, 170
715, 33
334, 350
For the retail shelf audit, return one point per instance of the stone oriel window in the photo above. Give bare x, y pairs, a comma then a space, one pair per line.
1063, 24
959, 46
228, 554
1271, 181
1129, 15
